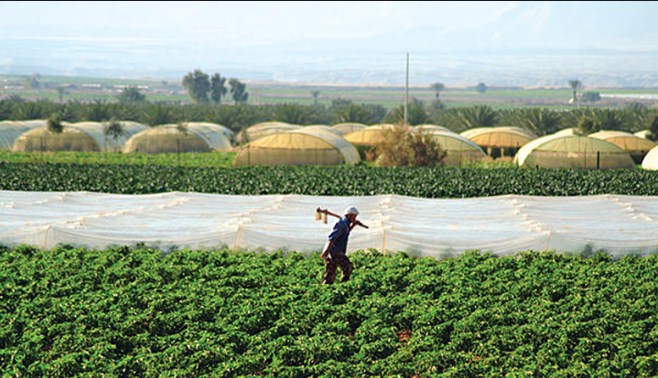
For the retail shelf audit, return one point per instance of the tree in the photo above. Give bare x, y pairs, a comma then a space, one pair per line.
653, 130
217, 88
112, 128
586, 126
55, 123
238, 91
351, 113
97, 111
607, 119
477, 116
345, 110
197, 84
32, 82
131, 95
417, 114
158, 114
316, 94
575, 85
481, 88
61, 91
437, 87
541, 121
295, 114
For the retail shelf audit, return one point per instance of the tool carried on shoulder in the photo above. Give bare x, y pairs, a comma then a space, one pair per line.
321, 214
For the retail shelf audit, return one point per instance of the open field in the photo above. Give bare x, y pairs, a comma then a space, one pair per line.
90, 89
140, 312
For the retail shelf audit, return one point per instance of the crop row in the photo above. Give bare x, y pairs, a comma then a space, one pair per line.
184, 159
138, 312
332, 181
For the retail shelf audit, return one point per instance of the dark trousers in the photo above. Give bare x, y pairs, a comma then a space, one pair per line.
331, 264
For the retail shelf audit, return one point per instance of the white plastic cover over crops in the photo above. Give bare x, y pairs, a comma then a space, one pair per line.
423, 227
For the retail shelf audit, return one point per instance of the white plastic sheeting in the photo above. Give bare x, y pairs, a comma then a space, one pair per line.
423, 227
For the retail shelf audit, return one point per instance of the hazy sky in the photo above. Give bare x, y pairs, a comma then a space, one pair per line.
616, 25
328, 41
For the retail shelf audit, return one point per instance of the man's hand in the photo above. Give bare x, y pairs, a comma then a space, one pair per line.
327, 248
357, 223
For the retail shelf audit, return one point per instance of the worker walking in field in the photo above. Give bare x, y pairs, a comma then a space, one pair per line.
335, 250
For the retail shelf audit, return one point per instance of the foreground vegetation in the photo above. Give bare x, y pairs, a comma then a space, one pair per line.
139, 312
184, 159
333, 181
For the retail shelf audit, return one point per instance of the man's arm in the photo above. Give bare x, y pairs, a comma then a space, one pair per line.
357, 223
327, 249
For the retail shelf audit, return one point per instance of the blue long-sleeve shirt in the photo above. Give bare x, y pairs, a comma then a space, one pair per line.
339, 236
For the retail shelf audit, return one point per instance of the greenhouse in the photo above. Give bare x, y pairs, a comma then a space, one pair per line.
431, 128
459, 150
499, 141
259, 130
349, 127
440, 228
369, 136
564, 151
298, 147
11, 130
521, 130
185, 137
325, 128
228, 133
642, 134
81, 136
650, 161
634, 145
567, 131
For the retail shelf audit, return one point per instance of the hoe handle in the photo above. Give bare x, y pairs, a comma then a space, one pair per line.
326, 211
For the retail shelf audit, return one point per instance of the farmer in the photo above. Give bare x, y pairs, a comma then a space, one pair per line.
334, 254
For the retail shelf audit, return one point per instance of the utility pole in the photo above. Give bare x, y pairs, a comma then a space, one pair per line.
406, 95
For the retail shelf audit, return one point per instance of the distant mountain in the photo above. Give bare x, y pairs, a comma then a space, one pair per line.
524, 44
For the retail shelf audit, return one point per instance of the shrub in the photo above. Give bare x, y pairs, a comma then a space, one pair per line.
401, 146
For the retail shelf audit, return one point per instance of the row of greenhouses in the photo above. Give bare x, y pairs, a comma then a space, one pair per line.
280, 143
127, 136
277, 143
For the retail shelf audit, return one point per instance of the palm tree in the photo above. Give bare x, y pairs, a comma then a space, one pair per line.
438, 87
540, 121
575, 86
477, 116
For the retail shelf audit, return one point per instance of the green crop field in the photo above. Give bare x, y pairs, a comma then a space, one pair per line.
185, 159
138, 312
355, 181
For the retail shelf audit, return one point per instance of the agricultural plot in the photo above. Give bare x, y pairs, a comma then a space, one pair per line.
447, 182
183, 159
123, 312
140, 312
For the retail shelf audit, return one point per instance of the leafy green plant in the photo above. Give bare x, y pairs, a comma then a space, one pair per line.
148, 176
138, 312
